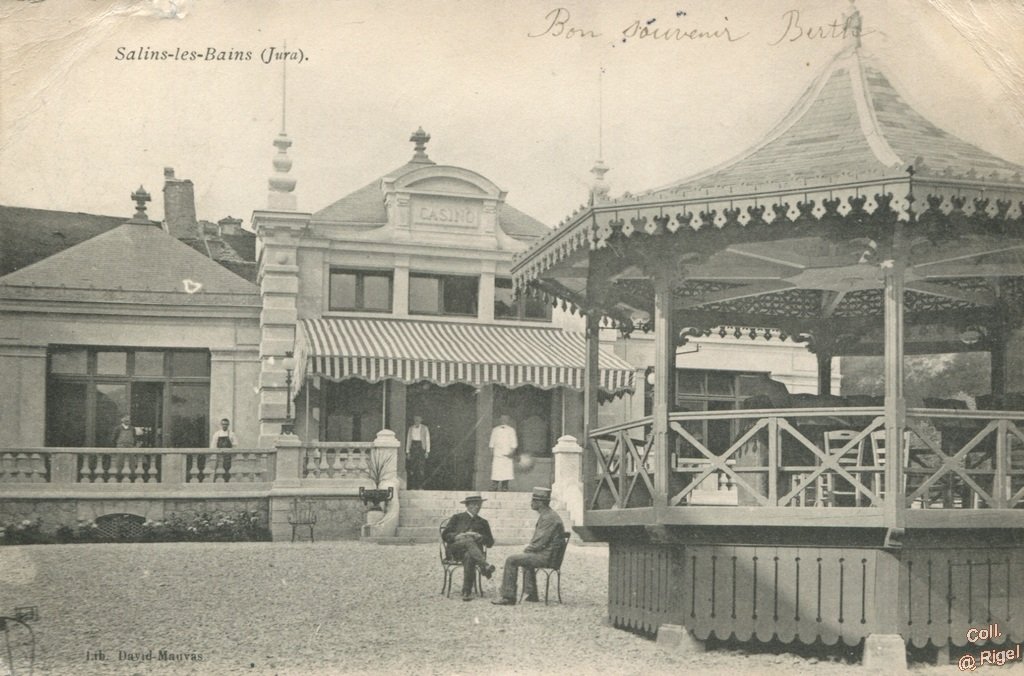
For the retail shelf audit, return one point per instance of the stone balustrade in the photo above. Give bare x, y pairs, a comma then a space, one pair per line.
336, 460
78, 467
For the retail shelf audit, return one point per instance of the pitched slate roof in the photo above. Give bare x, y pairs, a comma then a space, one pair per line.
30, 235
365, 206
139, 260
850, 123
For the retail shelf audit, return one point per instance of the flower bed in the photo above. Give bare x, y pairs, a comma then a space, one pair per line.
243, 526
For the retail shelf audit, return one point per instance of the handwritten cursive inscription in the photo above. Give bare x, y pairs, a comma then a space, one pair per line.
838, 29
558, 27
557, 24
648, 30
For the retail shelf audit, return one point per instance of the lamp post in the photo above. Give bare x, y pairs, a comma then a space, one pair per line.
288, 427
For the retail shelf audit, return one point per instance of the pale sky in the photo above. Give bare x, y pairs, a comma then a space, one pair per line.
80, 129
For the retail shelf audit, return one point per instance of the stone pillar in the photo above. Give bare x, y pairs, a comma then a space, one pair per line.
484, 414
568, 482
400, 287
486, 294
385, 448
23, 396
385, 524
279, 290
288, 465
396, 418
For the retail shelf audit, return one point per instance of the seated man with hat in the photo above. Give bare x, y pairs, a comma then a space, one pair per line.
466, 534
547, 537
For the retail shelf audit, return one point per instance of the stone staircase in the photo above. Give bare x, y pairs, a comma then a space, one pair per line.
512, 521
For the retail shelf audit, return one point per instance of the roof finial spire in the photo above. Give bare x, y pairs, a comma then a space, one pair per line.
282, 186
141, 197
284, 90
599, 189
420, 138
853, 24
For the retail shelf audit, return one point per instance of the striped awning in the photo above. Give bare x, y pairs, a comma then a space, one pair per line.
444, 353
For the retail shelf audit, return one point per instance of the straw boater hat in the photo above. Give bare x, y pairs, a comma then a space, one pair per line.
541, 494
474, 497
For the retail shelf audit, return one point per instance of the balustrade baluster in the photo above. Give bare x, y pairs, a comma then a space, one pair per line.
145, 467
240, 470
6, 467
89, 463
312, 466
325, 468
249, 467
193, 470
21, 467
338, 467
218, 472
211, 468
37, 466
261, 474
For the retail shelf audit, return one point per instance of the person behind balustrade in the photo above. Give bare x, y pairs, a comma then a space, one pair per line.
123, 435
223, 439
466, 536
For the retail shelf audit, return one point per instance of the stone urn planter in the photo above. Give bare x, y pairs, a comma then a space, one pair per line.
373, 497
376, 470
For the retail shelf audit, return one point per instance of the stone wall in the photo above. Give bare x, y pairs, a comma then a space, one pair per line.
338, 517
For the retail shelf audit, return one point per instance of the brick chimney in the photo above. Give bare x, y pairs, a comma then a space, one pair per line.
179, 206
228, 226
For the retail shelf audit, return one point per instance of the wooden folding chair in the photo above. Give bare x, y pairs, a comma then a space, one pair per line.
302, 514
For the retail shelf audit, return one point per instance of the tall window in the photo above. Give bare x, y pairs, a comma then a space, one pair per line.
166, 393
507, 306
443, 294
365, 290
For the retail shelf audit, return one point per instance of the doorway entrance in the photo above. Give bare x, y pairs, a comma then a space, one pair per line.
450, 413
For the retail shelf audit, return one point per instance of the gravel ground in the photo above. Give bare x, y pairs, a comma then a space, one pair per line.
334, 608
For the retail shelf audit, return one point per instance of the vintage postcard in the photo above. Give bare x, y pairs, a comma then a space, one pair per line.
310, 310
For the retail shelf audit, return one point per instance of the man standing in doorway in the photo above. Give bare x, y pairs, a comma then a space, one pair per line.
503, 446
547, 538
417, 448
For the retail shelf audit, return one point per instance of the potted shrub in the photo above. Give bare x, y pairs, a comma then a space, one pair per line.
376, 469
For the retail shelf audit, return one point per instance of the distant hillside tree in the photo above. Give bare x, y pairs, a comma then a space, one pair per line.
964, 375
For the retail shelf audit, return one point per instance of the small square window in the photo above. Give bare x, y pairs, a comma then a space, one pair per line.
111, 363
149, 363
190, 364
69, 362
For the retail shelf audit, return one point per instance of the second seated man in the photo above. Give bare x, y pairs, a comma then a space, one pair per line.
547, 538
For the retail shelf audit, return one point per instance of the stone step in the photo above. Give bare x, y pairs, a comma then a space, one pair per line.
498, 503
418, 518
443, 512
430, 534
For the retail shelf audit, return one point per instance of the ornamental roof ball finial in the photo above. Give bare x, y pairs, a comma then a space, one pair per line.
141, 197
420, 138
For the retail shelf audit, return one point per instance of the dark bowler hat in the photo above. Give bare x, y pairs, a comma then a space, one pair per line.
475, 497
541, 494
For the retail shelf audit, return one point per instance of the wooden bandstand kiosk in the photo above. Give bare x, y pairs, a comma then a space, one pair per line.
861, 228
